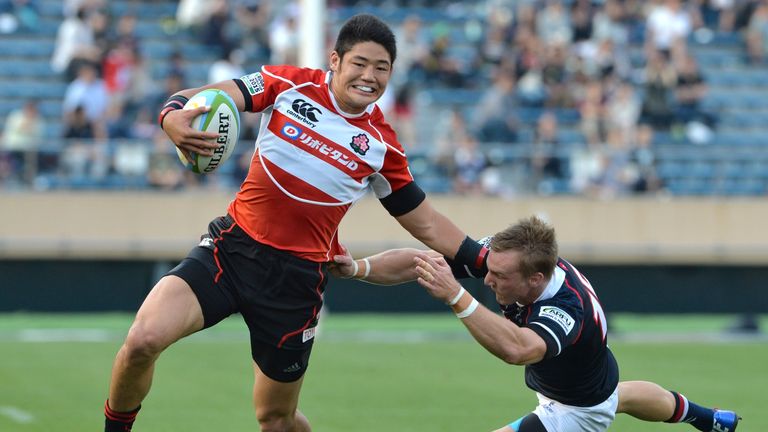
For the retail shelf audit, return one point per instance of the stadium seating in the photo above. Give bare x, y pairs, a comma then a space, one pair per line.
734, 162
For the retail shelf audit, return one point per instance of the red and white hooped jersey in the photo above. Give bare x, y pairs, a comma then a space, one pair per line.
312, 162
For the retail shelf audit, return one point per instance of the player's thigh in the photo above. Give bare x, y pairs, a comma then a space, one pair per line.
274, 398
169, 312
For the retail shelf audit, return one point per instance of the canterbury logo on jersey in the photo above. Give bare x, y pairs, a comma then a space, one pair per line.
305, 112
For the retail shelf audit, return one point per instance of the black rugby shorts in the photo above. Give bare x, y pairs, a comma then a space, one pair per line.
278, 294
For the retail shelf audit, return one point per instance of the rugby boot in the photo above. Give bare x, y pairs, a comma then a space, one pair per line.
725, 421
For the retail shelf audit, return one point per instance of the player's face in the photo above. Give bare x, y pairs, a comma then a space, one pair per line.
360, 78
506, 280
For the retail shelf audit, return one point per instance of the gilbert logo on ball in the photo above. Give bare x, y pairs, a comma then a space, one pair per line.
224, 119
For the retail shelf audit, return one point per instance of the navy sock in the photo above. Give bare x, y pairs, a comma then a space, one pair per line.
688, 412
115, 421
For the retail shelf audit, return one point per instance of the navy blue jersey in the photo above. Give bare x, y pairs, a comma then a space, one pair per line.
578, 368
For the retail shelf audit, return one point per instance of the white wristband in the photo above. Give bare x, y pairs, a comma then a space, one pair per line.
469, 310
356, 268
458, 296
367, 268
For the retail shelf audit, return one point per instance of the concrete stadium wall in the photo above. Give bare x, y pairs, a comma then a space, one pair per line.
80, 252
123, 225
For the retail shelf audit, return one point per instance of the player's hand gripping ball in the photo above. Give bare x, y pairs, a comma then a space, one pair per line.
224, 119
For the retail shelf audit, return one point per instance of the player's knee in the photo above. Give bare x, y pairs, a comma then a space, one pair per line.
275, 420
144, 344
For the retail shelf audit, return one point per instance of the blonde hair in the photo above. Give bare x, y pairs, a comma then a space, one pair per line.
535, 239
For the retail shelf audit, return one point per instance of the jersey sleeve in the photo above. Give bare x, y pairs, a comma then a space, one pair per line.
461, 271
395, 173
558, 323
260, 89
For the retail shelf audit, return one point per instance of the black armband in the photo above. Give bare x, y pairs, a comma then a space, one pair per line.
173, 103
404, 199
246, 94
472, 255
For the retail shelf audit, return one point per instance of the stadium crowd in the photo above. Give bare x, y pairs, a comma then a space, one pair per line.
553, 79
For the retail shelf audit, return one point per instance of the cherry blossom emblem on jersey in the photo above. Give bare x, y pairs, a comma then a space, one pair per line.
360, 144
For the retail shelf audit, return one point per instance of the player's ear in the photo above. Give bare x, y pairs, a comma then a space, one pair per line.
334, 61
537, 278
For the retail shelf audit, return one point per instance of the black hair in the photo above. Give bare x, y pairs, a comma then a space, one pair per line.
365, 28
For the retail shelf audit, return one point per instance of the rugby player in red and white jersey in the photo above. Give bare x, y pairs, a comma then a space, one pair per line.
553, 323
322, 145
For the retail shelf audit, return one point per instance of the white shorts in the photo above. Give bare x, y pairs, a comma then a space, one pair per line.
558, 417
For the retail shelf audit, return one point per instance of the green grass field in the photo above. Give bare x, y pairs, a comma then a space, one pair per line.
368, 373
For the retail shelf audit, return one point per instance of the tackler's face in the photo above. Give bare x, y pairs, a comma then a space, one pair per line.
361, 76
505, 278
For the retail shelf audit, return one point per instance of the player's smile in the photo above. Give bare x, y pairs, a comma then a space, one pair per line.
361, 77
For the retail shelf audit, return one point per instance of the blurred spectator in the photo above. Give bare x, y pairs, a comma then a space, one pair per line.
660, 81
451, 129
592, 110
546, 164
622, 114
402, 117
440, 68
252, 19
74, 41
554, 76
228, 66
125, 33
469, 163
553, 23
207, 19
610, 23
24, 128
177, 67
582, 20
494, 118
528, 65
668, 26
284, 36
644, 178
412, 49
757, 33
192, 14
215, 31
718, 14
89, 93
77, 125
165, 169
689, 93
23, 134
171, 84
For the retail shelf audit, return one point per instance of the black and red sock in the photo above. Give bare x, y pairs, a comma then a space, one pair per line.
115, 421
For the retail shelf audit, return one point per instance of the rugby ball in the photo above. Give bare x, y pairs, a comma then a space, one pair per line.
224, 119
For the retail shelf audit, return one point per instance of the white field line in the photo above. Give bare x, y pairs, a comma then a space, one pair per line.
381, 336
16, 415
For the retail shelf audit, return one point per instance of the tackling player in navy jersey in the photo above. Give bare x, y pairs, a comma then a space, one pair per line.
553, 324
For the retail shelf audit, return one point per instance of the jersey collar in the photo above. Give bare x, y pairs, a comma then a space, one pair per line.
553, 286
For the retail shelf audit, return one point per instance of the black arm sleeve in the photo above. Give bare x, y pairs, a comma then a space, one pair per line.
404, 199
461, 269
246, 95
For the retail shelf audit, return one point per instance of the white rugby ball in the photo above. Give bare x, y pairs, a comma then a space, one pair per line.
224, 119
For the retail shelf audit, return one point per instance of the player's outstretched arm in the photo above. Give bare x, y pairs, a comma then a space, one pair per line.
176, 122
502, 338
439, 233
391, 267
